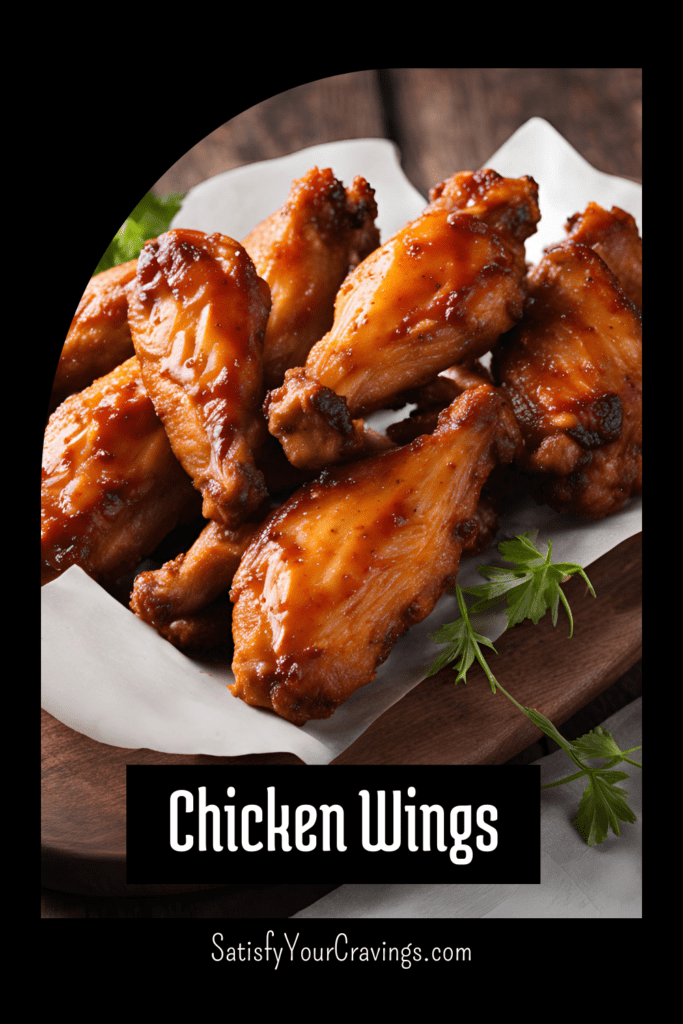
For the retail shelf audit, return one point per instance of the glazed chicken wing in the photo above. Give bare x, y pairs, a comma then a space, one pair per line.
443, 289
572, 370
304, 251
111, 486
171, 598
99, 337
615, 237
198, 315
352, 560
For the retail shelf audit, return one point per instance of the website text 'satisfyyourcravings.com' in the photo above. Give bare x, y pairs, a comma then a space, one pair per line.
291, 949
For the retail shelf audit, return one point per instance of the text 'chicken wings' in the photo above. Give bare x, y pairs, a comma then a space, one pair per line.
352, 560
111, 486
441, 291
572, 370
198, 316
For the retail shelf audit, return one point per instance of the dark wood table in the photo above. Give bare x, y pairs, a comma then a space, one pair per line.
442, 119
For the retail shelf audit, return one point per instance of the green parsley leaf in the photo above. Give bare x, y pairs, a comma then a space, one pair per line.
150, 218
603, 805
530, 589
463, 645
599, 743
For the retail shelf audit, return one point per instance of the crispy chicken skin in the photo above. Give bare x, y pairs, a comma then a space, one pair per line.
508, 205
111, 486
572, 371
352, 560
185, 586
442, 290
304, 251
99, 337
198, 315
314, 425
615, 237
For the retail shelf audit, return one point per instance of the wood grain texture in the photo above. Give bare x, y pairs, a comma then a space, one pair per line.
448, 119
442, 119
341, 107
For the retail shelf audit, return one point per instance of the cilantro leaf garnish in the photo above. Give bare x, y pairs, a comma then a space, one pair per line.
530, 589
151, 217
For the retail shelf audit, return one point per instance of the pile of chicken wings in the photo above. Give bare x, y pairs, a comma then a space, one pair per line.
221, 388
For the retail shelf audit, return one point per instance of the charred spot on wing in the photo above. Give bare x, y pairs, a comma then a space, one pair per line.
333, 408
603, 420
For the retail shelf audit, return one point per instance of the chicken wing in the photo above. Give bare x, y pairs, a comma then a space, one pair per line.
615, 237
352, 560
443, 289
203, 630
304, 251
111, 486
572, 371
99, 337
186, 585
198, 315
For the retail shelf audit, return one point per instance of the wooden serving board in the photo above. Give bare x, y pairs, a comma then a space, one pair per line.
83, 782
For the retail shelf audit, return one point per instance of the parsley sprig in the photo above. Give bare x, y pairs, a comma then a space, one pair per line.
530, 589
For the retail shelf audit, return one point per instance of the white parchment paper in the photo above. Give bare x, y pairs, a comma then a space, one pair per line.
576, 880
110, 676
